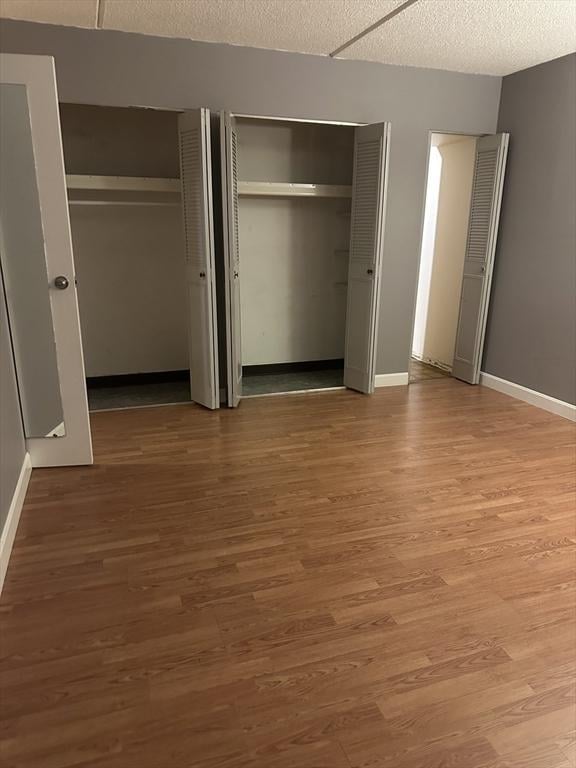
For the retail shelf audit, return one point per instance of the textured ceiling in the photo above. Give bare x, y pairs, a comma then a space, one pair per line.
308, 26
494, 37
75, 13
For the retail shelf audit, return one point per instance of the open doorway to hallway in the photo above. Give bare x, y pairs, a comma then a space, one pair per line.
446, 213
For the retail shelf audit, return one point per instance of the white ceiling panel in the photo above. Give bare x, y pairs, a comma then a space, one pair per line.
308, 26
74, 13
494, 37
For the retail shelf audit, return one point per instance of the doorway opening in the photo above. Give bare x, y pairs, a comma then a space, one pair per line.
294, 184
446, 213
304, 210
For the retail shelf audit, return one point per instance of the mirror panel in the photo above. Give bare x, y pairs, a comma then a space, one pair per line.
24, 272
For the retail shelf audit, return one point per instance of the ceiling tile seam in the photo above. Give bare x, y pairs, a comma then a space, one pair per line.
373, 27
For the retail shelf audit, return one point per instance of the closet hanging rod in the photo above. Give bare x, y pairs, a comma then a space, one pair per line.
122, 183
290, 189
148, 203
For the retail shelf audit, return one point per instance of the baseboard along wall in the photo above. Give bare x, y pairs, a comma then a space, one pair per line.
391, 379
547, 403
11, 525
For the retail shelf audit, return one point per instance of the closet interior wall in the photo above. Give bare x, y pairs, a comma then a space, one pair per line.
294, 249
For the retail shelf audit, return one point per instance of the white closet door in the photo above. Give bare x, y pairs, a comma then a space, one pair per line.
229, 150
33, 80
196, 183
366, 243
485, 205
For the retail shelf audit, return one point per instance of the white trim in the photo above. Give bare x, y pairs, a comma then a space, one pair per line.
391, 379
13, 517
540, 400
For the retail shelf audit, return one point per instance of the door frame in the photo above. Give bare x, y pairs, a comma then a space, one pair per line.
38, 74
422, 217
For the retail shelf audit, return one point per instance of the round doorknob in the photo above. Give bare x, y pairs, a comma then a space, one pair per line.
61, 282
369, 271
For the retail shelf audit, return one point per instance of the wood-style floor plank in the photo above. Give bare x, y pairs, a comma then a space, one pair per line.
317, 581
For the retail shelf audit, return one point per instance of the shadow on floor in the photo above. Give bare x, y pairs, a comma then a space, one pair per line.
136, 395
266, 384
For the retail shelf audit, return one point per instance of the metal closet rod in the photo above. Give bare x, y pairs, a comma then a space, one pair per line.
124, 202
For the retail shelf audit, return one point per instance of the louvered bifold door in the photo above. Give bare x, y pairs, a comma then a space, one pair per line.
229, 150
485, 204
366, 243
196, 185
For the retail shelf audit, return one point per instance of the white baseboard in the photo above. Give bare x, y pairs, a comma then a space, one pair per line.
11, 524
547, 403
391, 379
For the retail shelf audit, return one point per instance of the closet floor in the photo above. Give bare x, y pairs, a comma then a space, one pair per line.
136, 395
293, 381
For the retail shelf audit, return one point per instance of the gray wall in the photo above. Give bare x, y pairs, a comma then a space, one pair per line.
531, 335
12, 445
120, 69
108, 141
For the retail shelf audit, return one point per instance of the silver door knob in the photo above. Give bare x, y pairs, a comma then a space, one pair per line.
61, 282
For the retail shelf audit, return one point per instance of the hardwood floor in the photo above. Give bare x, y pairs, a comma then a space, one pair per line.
419, 371
314, 581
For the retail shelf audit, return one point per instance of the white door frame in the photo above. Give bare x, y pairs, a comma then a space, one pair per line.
38, 75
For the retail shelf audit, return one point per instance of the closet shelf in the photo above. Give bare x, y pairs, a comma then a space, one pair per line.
121, 183
288, 189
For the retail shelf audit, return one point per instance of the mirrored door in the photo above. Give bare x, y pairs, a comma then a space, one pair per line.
37, 266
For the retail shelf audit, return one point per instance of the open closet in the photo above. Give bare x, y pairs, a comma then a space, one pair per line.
212, 249
294, 195
122, 171
303, 232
